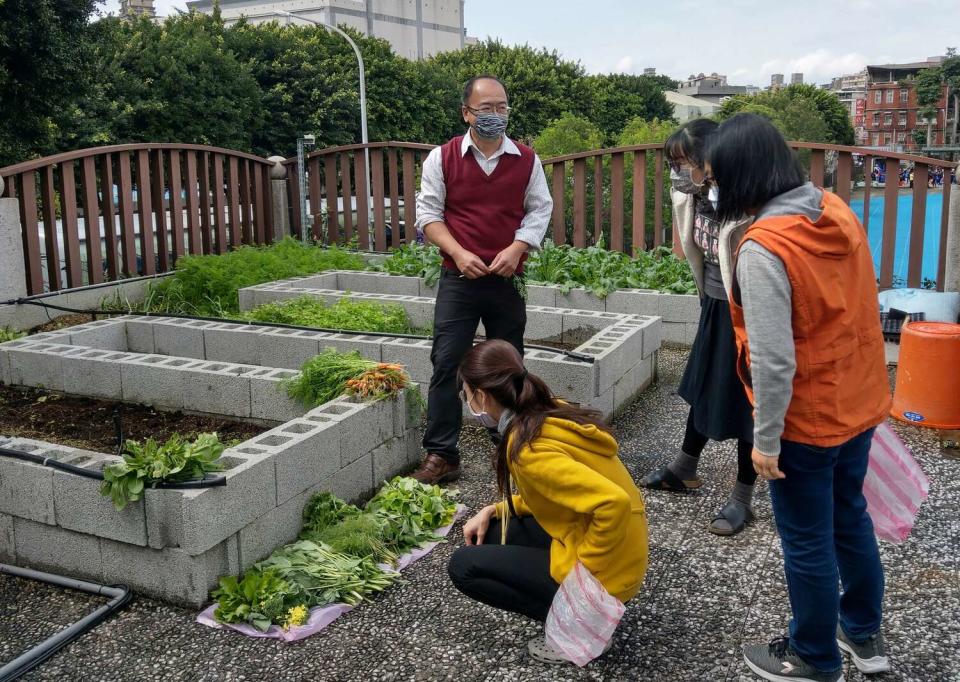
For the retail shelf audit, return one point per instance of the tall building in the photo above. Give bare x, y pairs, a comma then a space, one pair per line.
713, 88
851, 90
135, 8
776, 81
415, 28
796, 78
891, 112
650, 71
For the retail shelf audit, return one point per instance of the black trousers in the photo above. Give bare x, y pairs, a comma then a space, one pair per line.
461, 304
513, 577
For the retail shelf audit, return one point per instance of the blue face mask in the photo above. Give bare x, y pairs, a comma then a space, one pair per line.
490, 126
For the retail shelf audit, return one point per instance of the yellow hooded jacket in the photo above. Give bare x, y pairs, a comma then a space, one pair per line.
572, 482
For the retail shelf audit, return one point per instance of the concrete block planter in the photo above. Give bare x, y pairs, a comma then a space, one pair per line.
175, 544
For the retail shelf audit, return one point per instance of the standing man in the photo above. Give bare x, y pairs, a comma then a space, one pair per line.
484, 201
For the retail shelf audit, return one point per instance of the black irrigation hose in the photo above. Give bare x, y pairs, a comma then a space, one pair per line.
120, 596
583, 357
208, 481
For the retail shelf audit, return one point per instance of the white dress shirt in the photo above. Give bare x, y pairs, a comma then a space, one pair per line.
537, 202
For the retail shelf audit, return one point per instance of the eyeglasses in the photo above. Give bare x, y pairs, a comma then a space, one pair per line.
501, 109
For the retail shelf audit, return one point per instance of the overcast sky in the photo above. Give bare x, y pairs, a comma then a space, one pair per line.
745, 39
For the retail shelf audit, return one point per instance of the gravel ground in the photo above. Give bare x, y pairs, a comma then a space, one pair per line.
703, 596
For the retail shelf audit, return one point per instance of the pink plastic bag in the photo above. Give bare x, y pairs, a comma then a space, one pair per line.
895, 486
582, 618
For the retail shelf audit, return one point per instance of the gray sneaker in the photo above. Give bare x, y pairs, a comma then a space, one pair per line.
779, 663
869, 656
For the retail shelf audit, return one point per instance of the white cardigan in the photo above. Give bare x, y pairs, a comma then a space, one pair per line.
730, 235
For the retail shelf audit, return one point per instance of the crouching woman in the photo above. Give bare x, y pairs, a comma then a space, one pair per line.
575, 499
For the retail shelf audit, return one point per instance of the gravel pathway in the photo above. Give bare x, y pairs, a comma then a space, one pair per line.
703, 596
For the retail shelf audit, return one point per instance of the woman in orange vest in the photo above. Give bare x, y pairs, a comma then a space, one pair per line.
811, 357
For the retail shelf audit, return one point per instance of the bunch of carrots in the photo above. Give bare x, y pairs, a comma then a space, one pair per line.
381, 381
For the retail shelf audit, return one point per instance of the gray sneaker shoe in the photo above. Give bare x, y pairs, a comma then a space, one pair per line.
869, 656
777, 662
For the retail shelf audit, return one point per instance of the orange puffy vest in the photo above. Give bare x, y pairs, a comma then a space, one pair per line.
841, 387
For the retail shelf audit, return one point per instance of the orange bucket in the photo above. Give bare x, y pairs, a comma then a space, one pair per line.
928, 375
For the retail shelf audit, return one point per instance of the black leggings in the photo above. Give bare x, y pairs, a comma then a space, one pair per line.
694, 442
513, 577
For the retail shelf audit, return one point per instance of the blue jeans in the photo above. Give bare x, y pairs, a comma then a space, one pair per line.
827, 538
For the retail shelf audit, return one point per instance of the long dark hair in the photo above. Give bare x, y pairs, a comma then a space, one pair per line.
496, 368
751, 164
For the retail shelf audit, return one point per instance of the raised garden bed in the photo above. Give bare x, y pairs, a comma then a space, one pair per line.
174, 544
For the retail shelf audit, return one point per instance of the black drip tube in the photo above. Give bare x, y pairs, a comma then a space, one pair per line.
208, 481
120, 596
582, 357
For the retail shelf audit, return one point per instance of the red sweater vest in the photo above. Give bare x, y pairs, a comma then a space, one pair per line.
484, 212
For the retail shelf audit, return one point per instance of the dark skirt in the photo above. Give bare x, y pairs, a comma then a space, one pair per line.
710, 384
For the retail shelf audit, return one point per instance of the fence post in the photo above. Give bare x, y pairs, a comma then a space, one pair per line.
13, 280
278, 186
951, 278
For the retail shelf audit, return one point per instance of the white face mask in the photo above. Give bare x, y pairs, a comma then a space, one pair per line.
484, 418
713, 196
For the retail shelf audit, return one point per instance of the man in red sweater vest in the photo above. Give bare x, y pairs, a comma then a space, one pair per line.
484, 201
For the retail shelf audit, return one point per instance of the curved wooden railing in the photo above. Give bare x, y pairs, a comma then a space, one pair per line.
153, 203
596, 198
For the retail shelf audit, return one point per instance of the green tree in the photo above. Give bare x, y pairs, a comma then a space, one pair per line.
929, 87
540, 84
44, 49
615, 98
801, 112
569, 134
640, 131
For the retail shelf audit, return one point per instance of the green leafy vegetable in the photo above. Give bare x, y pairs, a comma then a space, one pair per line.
345, 314
260, 599
323, 510
413, 260
148, 463
412, 510
359, 536
325, 376
7, 334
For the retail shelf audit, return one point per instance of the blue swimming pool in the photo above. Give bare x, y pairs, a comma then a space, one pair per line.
931, 233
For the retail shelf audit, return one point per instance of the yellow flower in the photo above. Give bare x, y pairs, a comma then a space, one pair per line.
296, 616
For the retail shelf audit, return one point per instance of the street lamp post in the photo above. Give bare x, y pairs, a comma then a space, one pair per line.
305, 218
363, 99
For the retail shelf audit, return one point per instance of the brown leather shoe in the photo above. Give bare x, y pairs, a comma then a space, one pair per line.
435, 469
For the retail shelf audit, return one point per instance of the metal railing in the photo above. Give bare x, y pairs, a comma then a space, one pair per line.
152, 203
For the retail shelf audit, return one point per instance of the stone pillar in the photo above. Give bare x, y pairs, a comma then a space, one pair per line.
281, 204
13, 280
951, 278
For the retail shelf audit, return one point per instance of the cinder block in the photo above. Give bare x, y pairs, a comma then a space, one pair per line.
580, 299
634, 302
287, 348
604, 403
580, 327
268, 395
8, 549
652, 329
624, 348
543, 296
246, 299
232, 343
56, 550
92, 374
543, 324
414, 440
180, 338
390, 459
218, 388
306, 452
428, 290
197, 519
378, 283
409, 409
679, 308
26, 489
155, 380
352, 483
570, 379
690, 332
170, 574
633, 383
80, 507
103, 334
276, 528
39, 365
363, 432
271, 294
140, 334
413, 354
368, 345
673, 333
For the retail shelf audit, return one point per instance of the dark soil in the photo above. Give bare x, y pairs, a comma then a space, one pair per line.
87, 424
62, 322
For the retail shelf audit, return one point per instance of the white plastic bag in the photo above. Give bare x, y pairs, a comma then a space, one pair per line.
895, 486
582, 618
